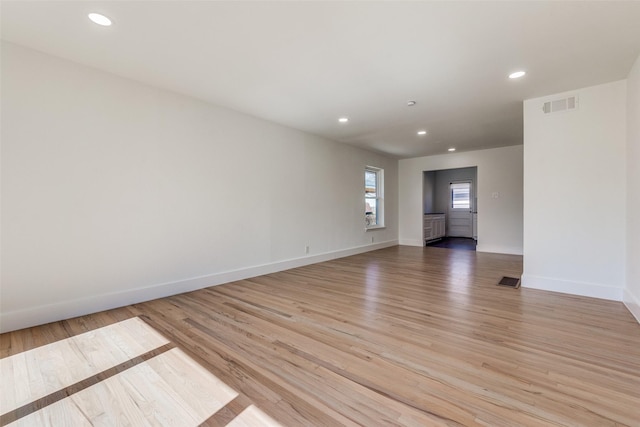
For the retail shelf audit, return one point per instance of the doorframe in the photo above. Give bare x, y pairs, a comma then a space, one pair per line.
470, 210
474, 199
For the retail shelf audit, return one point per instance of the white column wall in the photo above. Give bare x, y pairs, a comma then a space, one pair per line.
631, 295
575, 193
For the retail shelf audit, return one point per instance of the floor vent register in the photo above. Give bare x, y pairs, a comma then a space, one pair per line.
510, 282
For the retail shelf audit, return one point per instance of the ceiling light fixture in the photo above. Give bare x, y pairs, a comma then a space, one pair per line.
422, 132
100, 19
451, 149
517, 75
411, 103
343, 119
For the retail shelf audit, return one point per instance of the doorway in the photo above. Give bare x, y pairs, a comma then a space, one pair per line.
452, 193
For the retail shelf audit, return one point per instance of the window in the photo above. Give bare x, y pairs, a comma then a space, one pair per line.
461, 195
373, 197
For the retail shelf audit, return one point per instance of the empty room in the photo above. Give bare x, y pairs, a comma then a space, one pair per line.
320, 213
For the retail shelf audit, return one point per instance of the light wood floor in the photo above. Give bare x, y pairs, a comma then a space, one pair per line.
400, 336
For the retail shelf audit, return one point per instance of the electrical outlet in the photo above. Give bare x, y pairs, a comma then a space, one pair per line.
306, 249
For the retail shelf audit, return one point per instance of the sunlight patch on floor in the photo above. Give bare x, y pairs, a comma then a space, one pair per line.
122, 374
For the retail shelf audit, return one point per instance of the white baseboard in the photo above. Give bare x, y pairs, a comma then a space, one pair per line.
32, 316
632, 303
498, 249
593, 290
411, 242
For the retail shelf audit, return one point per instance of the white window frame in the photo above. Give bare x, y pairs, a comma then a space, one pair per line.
468, 183
379, 197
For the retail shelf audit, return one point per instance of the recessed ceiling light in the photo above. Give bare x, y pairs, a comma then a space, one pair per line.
422, 132
100, 19
411, 103
343, 119
517, 74
452, 149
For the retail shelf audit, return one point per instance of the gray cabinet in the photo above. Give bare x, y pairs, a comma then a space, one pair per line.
434, 226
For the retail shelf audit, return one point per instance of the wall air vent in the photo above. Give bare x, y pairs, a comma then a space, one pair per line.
563, 104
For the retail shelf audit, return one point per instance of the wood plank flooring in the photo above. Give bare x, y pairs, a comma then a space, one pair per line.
399, 336
36, 373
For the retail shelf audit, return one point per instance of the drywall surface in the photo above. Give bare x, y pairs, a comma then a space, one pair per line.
632, 289
575, 193
428, 191
499, 193
444, 178
115, 192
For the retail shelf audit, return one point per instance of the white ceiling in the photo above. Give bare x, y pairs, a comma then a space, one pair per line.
304, 64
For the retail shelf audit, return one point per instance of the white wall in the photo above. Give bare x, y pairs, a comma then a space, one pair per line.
575, 192
429, 192
499, 219
115, 192
444, 178
632, 290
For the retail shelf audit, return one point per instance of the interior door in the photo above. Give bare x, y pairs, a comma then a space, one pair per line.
460, 209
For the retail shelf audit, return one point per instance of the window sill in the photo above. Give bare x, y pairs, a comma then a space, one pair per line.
375, 227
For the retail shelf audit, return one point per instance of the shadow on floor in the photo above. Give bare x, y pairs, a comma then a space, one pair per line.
455, 243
